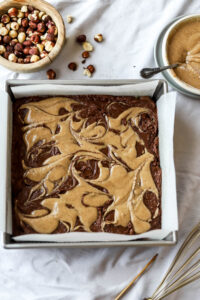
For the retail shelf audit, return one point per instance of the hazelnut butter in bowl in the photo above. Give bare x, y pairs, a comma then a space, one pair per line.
32, 34
181, 44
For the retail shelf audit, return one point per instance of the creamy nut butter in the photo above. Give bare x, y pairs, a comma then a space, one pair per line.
183, 46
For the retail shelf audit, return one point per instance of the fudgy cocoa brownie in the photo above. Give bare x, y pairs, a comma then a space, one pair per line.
85, 163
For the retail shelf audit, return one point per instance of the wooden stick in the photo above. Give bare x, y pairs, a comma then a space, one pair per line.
132, 282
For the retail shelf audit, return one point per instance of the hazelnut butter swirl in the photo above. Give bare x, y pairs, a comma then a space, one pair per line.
85, 163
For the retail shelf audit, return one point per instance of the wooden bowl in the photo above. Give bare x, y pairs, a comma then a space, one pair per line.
56, 17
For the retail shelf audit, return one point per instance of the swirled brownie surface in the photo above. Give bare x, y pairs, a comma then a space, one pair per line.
85, 163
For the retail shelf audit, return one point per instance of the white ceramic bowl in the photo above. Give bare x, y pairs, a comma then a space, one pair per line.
171, 73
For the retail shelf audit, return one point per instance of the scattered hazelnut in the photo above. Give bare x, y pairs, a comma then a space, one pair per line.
13, 34
21, 37
20, 14
34, 58
18, 54
98, 37
49, 46
35, 38
34, 51
35, 18
43, 54
14, 26
41, 14
87, 46
85, 54
81, 38
40, 47
6, 39
3, 31
25, 22
72, 66
24, 8
2, 49
13, 12
5, 19
19, 47
91, 68
12, 57
51, 74
86, 72
69, 19
32, 25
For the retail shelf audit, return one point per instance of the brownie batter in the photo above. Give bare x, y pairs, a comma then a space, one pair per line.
85, 163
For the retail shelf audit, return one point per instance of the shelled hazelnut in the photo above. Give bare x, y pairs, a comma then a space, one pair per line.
26, 34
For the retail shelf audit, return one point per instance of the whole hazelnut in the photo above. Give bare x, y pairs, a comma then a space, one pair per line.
27, 60
5, 19
41, 14
53, 30
13, 12
13, 42
91, 68
18, 53
20, 14
21, 37
24, 8
46, 18
26, 50
81, 38
72, 66
9, 48
34, 51
41, 27
6, 54
30, 8
8, 26
43, 54
19, 47
51, 74
34, 58
85, 54
25, 22
49, 46
21, 29
50, 37
2, 49
33, 25
35, 18
19, 21
20, 60
98, 38
6, 39
40, 47
3, 31
29, 31
27, 43
36, 12
35, 39
14, 26
12, 57
13, 34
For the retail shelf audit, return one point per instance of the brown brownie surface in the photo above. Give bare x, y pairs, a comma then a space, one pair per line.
85, 163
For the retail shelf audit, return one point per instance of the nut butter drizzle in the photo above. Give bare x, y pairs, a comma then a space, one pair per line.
122, 177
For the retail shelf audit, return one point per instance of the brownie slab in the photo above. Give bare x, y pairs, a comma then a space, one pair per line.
85, 163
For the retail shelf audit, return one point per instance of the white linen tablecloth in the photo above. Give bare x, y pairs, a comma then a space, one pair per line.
130, 28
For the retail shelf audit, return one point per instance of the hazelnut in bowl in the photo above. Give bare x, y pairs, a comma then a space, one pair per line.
32, 34
181, 44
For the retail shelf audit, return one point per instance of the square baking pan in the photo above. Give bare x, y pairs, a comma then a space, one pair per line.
5, 185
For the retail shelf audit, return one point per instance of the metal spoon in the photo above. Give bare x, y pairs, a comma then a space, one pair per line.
149, 72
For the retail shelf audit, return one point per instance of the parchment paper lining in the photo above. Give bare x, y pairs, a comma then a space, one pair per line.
166, 112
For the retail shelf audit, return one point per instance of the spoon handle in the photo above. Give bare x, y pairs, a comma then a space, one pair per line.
149, 72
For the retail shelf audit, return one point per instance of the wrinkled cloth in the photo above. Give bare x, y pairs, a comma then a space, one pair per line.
130, 28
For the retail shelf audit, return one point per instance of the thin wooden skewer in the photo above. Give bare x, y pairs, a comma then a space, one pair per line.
134, 279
